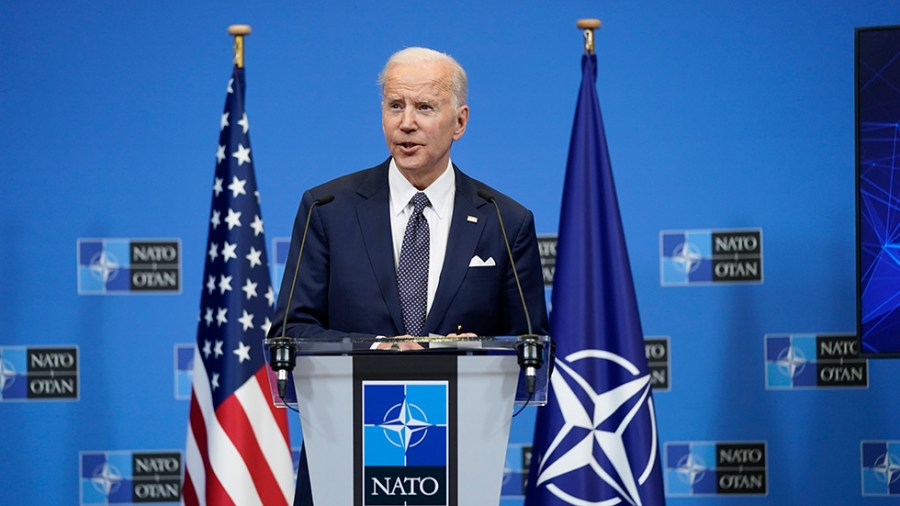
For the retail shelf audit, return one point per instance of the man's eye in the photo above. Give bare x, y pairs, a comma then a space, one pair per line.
425, 107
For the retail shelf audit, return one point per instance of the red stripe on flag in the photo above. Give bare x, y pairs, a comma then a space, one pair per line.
278, 414
237, 426
215, 493
188, 493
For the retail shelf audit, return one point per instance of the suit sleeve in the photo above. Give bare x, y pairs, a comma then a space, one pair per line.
526, 254
307, 315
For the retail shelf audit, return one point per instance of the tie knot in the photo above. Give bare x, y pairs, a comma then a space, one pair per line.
420, 202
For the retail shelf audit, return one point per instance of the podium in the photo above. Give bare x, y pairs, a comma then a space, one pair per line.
390, 427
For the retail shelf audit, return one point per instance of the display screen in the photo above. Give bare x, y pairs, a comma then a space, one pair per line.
878, 189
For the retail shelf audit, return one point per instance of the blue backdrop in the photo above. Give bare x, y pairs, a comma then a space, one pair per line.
719, 116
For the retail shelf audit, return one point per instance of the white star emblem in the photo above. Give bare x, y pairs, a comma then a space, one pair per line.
220, 153
217, 349
211, 283
270, 296
217, 186
690, 469
245, 124
687, 257
246, 320
224, 283
214, 381
228, 251
233, 219
105, 266
791, 361
242, 352
887, 468
253, 257
215, 220
220, 316
106, 479
250, 289
266, 326
590, 420
230, 82
207, 348
213, 252
8, 373
257, 226
237, 186
224, 122
242, 155
208, 317
404, 428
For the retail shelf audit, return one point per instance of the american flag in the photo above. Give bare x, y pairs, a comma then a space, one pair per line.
238, 449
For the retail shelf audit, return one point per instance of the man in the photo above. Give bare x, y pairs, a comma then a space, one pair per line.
348, 280
409, 247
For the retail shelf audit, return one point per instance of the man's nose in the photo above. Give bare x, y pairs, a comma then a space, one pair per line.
408, 120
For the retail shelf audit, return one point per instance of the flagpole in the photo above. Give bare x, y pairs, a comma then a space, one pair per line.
588, 25
239, 31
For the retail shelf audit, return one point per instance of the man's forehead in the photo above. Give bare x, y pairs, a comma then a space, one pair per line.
423, 78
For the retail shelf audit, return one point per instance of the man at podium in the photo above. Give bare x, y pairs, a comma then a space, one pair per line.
412, 246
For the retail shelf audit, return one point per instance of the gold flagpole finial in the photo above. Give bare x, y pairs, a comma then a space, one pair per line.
588, 25
239, 31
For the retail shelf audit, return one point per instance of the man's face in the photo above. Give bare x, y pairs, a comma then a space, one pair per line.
419, 120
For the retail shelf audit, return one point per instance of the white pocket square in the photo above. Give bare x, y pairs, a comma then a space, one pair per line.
478, 262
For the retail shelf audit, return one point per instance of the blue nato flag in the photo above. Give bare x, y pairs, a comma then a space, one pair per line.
595, 441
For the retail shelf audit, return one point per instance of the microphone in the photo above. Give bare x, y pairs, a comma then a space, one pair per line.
529, 350
282, 353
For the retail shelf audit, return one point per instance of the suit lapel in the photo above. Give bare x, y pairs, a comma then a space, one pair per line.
373, 214
461, 243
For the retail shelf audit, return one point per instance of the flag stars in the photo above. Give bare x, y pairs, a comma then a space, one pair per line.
224, 122
224, 283
266, 326
233, 219
228, 251
253, 257
257, 226
246, 320
213, 252
242, 154
237, 186
220, 316
208, 317
217, 186
220, 154
245, 124
230, 89
250, 289
270, 296
217, 349
211, 284
207, 348
242, 352
214, 381
216, 219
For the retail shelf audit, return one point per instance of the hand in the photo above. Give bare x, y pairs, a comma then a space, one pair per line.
464, 334
401, 345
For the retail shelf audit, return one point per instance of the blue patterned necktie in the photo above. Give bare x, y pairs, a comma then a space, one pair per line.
412, 270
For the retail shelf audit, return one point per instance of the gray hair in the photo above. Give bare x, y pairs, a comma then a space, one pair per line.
458, 81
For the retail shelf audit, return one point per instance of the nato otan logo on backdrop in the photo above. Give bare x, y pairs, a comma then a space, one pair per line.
129, 266
405, 440
700, 257
184, 370
715, 468
547, 249
880, 468
656, 349
515, 471
130, 477
281, 246
800, 361
38, 373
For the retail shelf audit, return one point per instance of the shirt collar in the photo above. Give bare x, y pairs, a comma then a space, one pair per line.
440, 192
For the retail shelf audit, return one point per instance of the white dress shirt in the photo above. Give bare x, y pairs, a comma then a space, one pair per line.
440, 193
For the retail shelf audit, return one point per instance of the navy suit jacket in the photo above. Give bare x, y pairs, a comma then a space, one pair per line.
347, 282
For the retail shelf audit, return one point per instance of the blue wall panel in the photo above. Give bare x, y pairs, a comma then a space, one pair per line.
719, 116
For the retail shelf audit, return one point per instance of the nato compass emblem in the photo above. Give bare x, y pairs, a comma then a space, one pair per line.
591, 443
881, 468
106, 479
405, 425
7, 375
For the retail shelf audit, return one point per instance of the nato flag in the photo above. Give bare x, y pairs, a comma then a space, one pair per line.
595, 441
